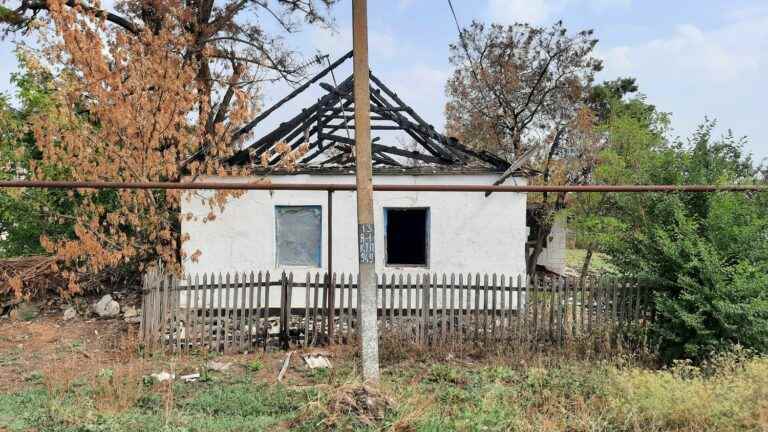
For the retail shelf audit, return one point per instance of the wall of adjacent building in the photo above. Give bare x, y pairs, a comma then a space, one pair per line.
553, 256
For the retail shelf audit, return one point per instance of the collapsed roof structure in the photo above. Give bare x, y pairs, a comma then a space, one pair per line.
327, 128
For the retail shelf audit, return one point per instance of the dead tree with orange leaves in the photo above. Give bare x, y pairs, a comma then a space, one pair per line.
141, 89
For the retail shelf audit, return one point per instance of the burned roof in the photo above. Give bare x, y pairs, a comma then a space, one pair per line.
384, 170
327, 128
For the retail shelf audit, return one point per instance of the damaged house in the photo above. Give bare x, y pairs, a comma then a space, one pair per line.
316, 230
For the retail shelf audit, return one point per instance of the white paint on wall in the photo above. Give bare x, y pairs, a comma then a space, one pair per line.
468, 231
553, 256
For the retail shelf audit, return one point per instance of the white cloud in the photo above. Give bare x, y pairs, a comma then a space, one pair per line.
423, 88
695, 72
720, 55
539, 11
381, 44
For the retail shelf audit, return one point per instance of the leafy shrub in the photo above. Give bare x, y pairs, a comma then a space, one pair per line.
705, 256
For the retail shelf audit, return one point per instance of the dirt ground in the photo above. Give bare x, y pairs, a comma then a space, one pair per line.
48, 343
79, 349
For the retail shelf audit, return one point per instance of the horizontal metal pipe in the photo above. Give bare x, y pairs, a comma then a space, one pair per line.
56, 184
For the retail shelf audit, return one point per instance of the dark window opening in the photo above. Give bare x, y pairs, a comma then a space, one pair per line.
407, 236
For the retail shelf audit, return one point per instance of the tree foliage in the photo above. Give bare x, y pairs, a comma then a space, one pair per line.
26, 214
633, 131
514, 86
523, 91
704, 255
140, 92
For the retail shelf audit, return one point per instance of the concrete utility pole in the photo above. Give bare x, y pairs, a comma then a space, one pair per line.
364, 171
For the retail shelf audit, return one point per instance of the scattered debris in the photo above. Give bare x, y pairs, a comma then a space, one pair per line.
286, 363
218, 366
190, 378
274, 326
130, 312
33, 275
366, 403
70, 313
133, 320
106, 307
317, 361
163, 376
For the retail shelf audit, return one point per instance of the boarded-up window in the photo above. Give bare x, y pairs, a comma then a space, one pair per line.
299, 235
407, 241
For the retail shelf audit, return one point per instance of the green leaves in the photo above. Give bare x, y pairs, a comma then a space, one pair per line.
705, 255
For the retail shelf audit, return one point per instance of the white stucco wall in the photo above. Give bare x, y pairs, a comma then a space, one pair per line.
468, 231
553, 256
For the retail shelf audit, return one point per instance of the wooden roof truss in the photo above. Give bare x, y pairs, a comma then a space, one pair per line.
328, 128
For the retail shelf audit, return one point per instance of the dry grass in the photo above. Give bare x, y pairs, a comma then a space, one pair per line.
453, 387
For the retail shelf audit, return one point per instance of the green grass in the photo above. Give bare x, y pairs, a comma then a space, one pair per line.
574, 259
730, 394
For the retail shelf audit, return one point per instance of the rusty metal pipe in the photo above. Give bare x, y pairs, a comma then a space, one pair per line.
207, 185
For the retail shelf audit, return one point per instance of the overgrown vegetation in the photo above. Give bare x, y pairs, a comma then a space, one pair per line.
729, 393
711, 289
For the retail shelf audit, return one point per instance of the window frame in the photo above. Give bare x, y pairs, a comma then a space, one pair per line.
427, 237
277, 242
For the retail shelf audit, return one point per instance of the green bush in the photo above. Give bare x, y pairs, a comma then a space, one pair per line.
704, 255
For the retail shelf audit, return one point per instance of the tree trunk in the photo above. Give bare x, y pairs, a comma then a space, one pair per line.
585, 266
538, 248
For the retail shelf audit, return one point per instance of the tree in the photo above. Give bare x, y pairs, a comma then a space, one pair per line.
134, 103
634, 130
514, 86
704, 255
26, 214
521, 91
228, 47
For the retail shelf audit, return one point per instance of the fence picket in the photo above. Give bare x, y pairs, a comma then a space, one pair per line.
562, 307
349, 308
173, 311
259, 310
392, 288
424, 304
341, 317
452, 323
233, 289
460, 308
248, 310
228, 311
401, 305
408, 313
316, 292
266, 326
522, 312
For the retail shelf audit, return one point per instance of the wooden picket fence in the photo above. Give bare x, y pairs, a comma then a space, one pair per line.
243, 312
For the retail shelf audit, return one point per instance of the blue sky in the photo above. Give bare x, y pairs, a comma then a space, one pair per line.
691, 58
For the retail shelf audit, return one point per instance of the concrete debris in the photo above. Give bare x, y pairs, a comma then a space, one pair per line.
274, 326
130, 312
106, 307
218, 366
163, 376
316, 361
133, 320
70, 313
190, 378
